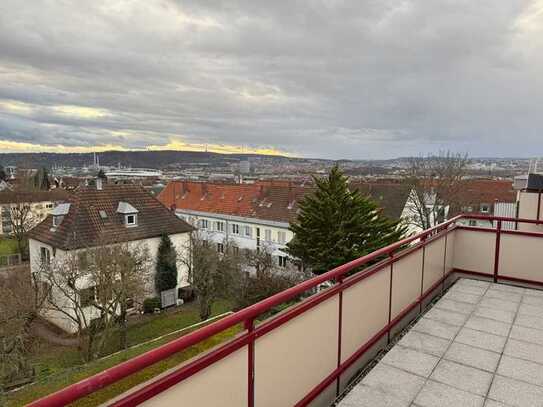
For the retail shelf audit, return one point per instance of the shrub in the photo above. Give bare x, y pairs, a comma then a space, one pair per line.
150, 304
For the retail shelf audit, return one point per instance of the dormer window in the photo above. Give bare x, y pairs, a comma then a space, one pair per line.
130, 214
59, 212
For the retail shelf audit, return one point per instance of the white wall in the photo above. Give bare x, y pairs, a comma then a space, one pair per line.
180, 242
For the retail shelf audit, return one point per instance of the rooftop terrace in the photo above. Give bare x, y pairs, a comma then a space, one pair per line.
480, 345
483, 340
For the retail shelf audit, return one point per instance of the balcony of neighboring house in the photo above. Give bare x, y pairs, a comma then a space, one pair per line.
449, 317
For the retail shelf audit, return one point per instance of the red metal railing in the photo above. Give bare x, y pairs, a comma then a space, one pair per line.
386, 256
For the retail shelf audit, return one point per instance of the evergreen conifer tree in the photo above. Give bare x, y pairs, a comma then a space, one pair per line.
336, 225
166, 265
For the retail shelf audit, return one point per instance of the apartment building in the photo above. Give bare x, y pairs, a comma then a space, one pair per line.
257, 216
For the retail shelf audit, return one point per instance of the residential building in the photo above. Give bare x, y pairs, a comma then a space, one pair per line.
105, 214
257, 216
41, 203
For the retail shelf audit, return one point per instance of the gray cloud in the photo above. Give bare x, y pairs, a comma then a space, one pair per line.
358, 79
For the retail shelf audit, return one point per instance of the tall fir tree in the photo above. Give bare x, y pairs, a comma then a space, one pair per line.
336, 225
166, 265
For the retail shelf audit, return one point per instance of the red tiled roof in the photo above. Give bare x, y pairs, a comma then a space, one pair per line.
274, 201
475, 192
84, 227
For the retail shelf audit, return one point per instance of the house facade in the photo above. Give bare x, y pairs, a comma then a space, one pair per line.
257, 216
40, 203
104, 215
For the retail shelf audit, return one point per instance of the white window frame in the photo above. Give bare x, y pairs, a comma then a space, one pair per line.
235, 229
45, 255
203, 223
268, 235
219, 226
281, 237
282, 261
248, 231
131, 224
485, 208
220, 248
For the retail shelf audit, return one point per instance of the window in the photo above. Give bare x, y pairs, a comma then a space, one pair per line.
248, 231
131, 220
485, 208
472, 222
45, 255
57, 220
49, 205
282, 261
87, 296
235, 250
235, 229
281, 237
267, 235
219, 226
103, 214
220, 247
203, 223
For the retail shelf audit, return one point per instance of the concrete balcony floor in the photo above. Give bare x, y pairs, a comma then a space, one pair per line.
480, 345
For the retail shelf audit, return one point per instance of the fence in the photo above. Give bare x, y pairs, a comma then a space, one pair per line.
308, 353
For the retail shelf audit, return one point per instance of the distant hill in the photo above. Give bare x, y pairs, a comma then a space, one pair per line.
151, 159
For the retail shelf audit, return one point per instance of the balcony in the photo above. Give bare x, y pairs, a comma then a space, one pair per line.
310, 353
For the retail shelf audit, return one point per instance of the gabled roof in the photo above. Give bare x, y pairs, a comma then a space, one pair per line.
85, 226
267, 201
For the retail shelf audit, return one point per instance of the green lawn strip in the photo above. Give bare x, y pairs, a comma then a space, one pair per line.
7, 246
52, 359
60, 381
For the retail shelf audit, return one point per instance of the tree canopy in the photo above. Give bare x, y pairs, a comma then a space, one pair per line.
336, 225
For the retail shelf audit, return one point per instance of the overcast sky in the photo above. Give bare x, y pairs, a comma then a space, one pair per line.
335, 79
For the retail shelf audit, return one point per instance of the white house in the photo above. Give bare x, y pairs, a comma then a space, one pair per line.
99, 214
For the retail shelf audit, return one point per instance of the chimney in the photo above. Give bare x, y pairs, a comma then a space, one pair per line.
99, 185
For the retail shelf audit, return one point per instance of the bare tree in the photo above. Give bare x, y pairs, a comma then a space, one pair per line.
16, 316
210, 269
22, 219
92, 289
435, 182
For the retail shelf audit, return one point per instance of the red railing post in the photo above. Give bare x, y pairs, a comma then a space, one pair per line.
423, 241
249, 325
391, 257
340, 328
497, 250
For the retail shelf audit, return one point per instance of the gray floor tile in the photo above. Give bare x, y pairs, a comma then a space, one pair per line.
524, 350
472, 282
411, 360
457, 306
449, 317
462, 377
507, 288
520, 369
499, 304
425, 343
530, 321
492, 403
365, 396
475, 357
531, 300
515, 393
495, 314
469, 289
462, 297
503, 295
527, 309
436, 328
527, 334
435, 394
398, 383
480, 339
488, 325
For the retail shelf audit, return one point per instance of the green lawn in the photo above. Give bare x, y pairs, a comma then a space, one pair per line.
60, 366
8, 246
